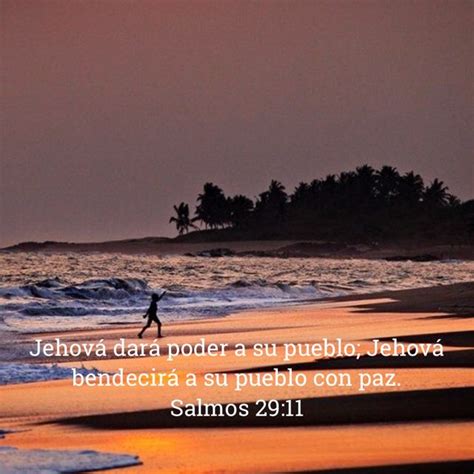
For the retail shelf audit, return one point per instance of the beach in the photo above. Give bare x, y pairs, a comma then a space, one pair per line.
425, 421
237, 237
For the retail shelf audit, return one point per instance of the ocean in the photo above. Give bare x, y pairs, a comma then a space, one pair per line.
67, 291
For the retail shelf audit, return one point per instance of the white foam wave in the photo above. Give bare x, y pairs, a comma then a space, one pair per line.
16, 461
13, 373
116, 297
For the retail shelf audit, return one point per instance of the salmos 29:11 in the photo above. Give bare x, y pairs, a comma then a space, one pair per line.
261, 408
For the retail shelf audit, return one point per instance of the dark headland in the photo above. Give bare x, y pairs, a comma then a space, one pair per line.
363, 213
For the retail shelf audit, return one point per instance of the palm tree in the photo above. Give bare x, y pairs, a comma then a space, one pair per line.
272, 202
347, 190
213, 209
410, 189
301, 195
240, 209
366, 180
436, 195
453, 201
388, 180
327, 192
182, 220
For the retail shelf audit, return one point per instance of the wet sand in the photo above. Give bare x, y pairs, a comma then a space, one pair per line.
424, 424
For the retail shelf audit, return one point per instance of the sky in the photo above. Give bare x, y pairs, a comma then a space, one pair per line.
113, 111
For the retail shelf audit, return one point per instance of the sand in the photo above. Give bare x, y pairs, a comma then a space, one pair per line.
423, 425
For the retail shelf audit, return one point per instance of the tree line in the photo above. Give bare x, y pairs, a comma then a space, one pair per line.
363, 204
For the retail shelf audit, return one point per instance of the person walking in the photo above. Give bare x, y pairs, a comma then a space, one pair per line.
151, 314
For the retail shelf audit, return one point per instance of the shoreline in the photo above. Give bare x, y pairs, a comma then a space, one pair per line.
449, 293
452, 299
284, 248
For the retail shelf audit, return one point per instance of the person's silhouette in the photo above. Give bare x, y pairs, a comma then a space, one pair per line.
151, 314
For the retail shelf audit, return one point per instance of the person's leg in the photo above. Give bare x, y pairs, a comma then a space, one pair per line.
147, 325
159, 328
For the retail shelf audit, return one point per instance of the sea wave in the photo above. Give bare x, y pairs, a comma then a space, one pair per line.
123, 299
93, 289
